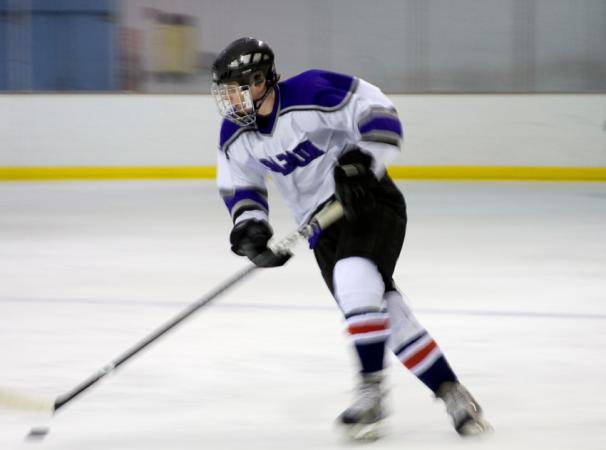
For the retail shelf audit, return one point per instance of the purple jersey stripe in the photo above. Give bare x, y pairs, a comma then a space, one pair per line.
245, 194
382, 123
315, 88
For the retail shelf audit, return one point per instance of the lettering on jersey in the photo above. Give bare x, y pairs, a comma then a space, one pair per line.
287, 162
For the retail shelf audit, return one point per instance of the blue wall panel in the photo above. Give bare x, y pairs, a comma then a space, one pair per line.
72, 45
69, 6
3, 46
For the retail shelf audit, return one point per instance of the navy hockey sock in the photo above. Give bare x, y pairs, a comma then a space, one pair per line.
422, 356
369, 332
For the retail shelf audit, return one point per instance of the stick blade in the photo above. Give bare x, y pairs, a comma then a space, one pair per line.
37, 434
10, 399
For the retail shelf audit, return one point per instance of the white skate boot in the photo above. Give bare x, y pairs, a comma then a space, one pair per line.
362, 420
464, 411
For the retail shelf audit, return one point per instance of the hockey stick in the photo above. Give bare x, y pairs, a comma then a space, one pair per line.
327, 216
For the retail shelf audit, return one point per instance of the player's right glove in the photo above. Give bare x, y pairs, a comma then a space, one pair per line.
355, 183
250, 237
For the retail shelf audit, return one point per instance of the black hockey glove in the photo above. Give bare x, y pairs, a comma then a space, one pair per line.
355, 183
249, 238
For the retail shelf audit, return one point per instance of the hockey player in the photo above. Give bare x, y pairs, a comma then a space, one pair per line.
321, 136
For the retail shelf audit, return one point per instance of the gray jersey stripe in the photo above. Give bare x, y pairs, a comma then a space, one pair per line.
375, 112
246, 203
231, 192
387, 137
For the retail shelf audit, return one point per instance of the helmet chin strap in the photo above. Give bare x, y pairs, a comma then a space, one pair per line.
260, 102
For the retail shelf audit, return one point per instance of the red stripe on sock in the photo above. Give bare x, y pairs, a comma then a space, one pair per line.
420, 355
367, 327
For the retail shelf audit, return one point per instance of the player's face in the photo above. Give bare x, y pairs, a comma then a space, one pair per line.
234, 93
236, 100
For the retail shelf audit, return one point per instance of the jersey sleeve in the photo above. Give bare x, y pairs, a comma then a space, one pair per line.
242, 187
375, 125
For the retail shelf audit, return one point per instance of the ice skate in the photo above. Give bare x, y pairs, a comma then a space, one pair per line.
362, 420
464, 411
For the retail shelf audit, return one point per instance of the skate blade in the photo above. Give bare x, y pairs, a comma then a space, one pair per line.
475, 427
363, 431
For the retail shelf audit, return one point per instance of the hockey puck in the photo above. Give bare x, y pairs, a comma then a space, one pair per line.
38, 433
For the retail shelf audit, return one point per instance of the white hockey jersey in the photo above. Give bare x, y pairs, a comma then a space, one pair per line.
317, 116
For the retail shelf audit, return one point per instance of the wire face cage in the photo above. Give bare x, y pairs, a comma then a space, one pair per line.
235, 103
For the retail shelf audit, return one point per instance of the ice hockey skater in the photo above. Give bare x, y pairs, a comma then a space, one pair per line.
324, 136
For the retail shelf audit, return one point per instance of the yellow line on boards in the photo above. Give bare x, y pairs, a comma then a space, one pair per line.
105, 173
498, 173
462, 173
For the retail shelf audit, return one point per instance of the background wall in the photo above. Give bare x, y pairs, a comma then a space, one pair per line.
403, 45
400, 45
173, 130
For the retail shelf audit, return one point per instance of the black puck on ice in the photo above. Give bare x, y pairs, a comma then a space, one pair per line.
37, 433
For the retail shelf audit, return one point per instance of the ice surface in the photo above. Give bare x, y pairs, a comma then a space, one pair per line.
509, 277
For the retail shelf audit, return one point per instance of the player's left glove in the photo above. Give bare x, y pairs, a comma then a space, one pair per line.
250, 237
355, 183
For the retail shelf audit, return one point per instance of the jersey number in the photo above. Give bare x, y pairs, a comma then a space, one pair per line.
287, 162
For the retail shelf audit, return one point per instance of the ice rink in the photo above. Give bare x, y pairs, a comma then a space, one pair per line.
509, 277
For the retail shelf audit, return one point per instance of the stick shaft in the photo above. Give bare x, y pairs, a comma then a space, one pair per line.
63, 399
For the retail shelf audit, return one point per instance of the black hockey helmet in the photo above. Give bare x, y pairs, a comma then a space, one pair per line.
244, 63
242, 59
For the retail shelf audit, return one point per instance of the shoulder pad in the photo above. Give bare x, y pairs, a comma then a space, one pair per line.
316, 89
229, 132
